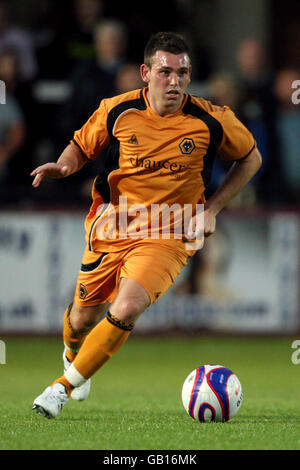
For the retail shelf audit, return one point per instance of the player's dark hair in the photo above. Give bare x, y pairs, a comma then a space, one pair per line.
164, 41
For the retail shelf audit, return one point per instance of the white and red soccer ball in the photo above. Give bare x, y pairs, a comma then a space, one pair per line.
212, 393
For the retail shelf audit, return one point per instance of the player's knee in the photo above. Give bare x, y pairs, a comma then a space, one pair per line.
79, 324
82, 319
128, 310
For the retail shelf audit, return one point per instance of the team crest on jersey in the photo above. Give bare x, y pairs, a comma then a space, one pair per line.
133, 140
187, 146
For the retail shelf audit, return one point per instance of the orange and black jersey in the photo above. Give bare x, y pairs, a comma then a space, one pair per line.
152, 159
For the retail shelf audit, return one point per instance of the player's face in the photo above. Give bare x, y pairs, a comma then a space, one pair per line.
167, 78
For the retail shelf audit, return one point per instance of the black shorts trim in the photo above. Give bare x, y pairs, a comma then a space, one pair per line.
86, 268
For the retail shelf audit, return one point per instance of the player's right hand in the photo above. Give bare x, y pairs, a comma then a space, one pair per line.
52, 170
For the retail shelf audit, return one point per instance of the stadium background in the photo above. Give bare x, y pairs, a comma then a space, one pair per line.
237, 304
56, 69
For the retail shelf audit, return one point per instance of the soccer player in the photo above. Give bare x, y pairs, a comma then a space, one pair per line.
160, 145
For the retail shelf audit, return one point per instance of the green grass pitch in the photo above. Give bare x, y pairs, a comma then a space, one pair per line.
135, 401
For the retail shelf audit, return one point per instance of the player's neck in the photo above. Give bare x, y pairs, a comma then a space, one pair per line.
159, 108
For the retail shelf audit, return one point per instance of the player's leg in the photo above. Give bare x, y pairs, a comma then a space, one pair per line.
94, 285
131, 301
78, 322
103, 341
109, 335
141, 283
90, 302
144, 282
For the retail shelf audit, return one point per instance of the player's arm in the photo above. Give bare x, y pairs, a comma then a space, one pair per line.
70, 161
239, 175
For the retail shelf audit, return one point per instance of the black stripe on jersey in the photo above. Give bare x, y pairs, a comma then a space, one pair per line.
91, 232
216, 135
112, 154
111, 162
138, 103
86, 268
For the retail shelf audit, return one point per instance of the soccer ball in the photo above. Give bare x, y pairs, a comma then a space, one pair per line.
212, 393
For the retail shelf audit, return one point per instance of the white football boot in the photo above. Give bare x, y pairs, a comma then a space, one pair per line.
79, 393
51, 401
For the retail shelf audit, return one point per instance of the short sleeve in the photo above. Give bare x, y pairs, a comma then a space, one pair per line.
93, 137
237, 142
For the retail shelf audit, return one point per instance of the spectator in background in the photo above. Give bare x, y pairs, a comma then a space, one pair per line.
94, 79
288, 131
12, 123
143, 19
64, 34
91, 81
256, 110
12, 132
110, 42
18, 39
223, 89
19, 98
78, 34
128, 78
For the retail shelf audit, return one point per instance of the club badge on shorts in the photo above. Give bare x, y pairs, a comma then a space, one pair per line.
82, 291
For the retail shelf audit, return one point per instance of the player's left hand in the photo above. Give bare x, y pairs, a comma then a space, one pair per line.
52, 170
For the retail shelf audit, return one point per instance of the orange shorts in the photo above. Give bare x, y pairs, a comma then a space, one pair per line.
154, 265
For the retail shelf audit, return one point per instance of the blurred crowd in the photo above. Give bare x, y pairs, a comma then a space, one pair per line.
58, 67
